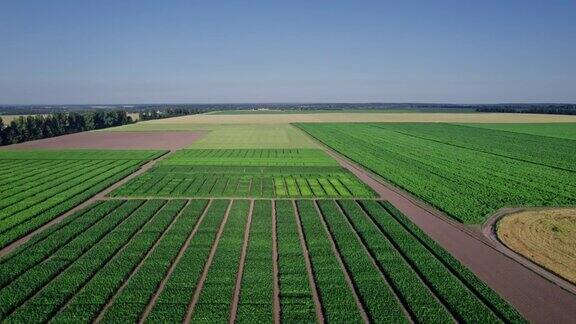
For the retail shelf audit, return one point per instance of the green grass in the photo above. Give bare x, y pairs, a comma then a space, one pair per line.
559, 130
467, 172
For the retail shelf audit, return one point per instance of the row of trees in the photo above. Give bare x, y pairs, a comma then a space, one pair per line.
35, 127
157, 113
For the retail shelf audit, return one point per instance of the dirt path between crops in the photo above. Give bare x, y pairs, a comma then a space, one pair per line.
114, 140
240, 273
207, 265
405, 309
489, 230
308, 264
275, 272
347, 278
538, 299
173, 265
112, 300
99, 196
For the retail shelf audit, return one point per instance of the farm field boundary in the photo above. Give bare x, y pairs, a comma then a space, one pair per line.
538, 298
114, 140
96, 197
175, 260
489, 231
279, 119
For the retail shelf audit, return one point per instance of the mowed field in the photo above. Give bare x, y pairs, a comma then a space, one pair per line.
257, 223
547, 237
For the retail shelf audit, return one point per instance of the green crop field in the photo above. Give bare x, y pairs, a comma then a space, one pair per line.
468, 172
38, 186
559, 130
258, 173
176, 260
255, 221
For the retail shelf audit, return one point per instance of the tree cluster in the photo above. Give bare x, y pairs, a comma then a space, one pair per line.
160, 113
36, 127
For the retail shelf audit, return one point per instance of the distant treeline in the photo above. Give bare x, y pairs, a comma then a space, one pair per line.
557, 109
155, 111
163, 112
31, 128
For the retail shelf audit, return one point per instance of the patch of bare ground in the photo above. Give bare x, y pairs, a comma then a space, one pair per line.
545, 236
114, 140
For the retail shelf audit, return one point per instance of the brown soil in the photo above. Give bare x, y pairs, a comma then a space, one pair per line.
115, 140
545, 236
537, 298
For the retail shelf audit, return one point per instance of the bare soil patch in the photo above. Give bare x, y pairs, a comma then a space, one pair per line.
545, 236
115, 140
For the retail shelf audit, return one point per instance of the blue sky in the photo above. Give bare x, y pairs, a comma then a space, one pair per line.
98, 52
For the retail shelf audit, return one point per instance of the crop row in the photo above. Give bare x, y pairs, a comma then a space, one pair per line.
214, 301
553, 152
256, 293
173, 301
482, 181
90, 274
296, 301
170, 261
204, 185
6, 155
33, 279
251, 157
24, 216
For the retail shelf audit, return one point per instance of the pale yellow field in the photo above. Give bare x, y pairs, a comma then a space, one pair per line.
547, 237
366, 117
8, 118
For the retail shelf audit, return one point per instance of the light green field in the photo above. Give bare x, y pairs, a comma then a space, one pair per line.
559, 130
254, 136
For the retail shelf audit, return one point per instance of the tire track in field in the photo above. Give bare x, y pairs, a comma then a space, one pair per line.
236, 295
112, 299
202, 280
308, 264
99, 196
351, 286
275, 275
407, 311
175, 262
121, 250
